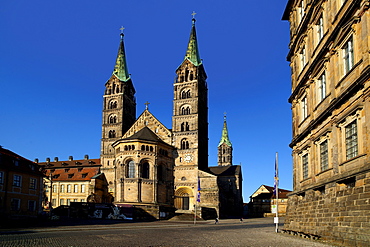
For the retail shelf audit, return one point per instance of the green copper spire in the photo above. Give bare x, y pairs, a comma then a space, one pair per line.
225, 135
192, 53
120, 69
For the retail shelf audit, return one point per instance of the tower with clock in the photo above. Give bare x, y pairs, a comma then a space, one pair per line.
190, 123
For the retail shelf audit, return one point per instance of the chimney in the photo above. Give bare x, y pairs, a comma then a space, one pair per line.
70, 158
36, 160
86, 157
48, 160
56, 159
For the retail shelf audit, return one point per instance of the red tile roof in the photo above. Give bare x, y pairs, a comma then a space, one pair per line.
72, 170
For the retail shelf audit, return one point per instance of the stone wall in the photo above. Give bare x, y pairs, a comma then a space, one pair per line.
340, 213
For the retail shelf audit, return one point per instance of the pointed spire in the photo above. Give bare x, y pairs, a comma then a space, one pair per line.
120, 68
225, 135
192, 53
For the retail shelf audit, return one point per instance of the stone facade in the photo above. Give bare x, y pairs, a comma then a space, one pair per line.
155, 168
330, 66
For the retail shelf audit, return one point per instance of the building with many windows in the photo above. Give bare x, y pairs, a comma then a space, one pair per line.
330, 71
74, 181
21, 186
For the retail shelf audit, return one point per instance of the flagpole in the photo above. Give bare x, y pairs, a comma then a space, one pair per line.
277, 193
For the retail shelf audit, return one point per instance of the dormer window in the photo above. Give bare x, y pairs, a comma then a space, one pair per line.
71, 175
84, 175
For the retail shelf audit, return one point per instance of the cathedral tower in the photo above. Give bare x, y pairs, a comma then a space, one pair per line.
225, 149
190, 124
190, 110
119, 111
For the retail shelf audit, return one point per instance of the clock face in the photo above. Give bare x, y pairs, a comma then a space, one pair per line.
188, 157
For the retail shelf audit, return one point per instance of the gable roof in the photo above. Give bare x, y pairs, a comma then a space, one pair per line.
268, 192
145, 134
147, 119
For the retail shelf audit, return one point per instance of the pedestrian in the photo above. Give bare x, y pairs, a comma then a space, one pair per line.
216, 220
241, 220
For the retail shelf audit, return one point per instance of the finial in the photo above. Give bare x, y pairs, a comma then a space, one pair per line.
225, 116
122, 28
146, 105
193, 14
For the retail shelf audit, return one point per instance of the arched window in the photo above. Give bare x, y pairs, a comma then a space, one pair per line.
112, 134
112, 104
185, 110
145, 170
151, 149
185, 126
131, 169
191, 77
186, 74
142, 148
185, 94
184, 144
112, 119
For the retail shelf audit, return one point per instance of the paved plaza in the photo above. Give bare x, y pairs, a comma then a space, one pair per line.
252, 232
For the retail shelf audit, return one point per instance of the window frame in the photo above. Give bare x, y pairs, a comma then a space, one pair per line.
348, 55
83, 188
33, 207
351, 135
33, 183
131, 169
304, 108
17, 182
305, 165
12, 204
1, 177
324, 155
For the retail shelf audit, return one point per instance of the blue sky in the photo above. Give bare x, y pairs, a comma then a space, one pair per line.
57, 55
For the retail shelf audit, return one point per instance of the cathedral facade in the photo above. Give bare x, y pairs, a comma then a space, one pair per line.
155, 168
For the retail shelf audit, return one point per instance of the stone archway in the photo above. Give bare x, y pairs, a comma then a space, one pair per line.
182, 198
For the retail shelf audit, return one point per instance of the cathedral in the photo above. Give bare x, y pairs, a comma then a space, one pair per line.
163, 171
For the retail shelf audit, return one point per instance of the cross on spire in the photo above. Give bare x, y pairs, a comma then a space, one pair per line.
224, 115
193, 14
146, 105
122, 28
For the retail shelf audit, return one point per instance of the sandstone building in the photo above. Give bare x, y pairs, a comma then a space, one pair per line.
263, 202
74, 181
330, 66
157, 169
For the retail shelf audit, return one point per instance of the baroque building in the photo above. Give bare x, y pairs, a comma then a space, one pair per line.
159, 170
330, 68
74, 181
